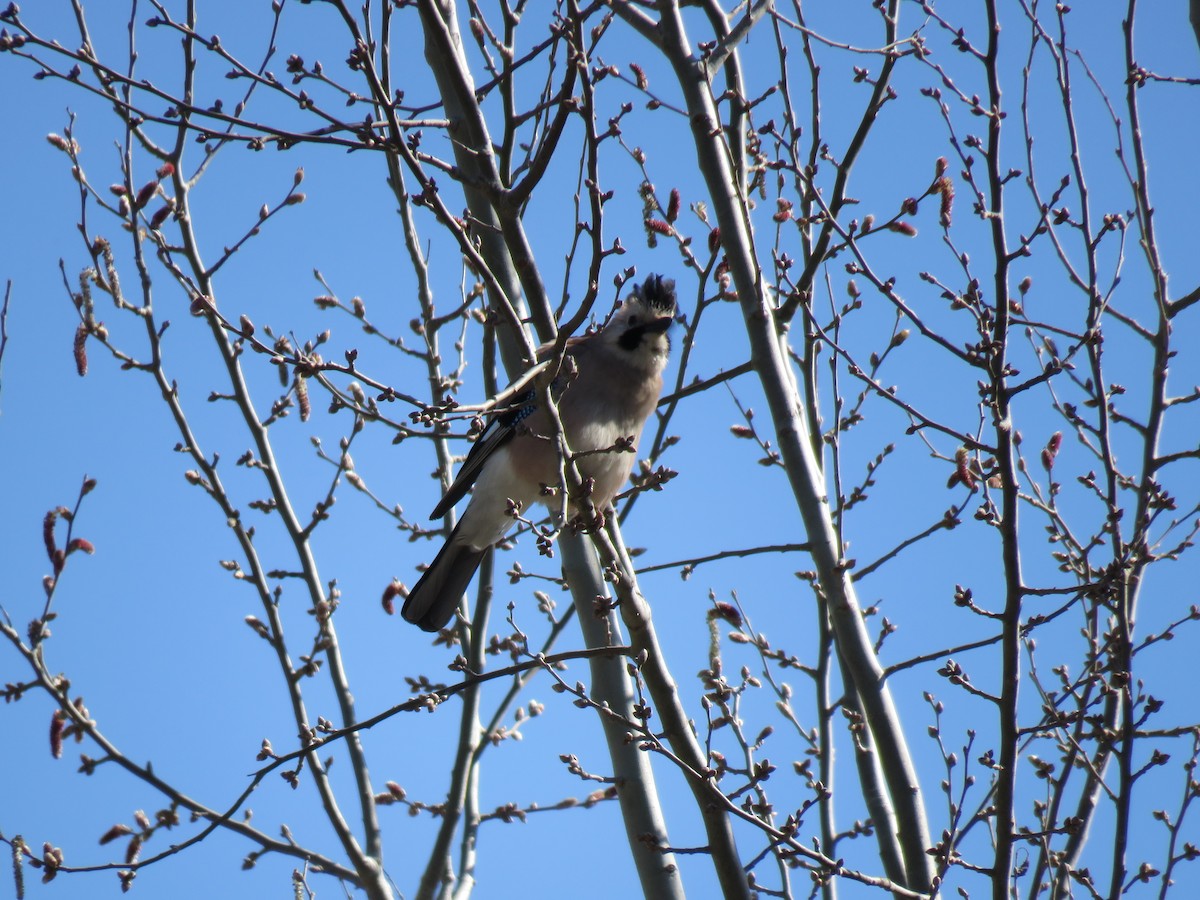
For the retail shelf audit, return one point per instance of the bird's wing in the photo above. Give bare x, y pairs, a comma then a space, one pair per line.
503, 426
499, 432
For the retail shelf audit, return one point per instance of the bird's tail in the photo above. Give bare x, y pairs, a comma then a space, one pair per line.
434, 598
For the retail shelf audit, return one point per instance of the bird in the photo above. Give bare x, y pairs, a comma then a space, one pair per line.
607, 387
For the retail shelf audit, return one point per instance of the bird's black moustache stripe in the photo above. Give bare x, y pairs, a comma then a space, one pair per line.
631, 338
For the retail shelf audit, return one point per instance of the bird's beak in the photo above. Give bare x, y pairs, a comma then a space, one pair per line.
660, 325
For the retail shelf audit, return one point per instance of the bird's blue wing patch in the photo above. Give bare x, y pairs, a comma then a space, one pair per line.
499, 431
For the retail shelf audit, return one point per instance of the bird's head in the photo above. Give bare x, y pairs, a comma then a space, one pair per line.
639, 327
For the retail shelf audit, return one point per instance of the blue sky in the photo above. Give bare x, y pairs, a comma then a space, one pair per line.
150, 628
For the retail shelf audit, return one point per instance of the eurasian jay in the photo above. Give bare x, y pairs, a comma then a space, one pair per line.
607, 387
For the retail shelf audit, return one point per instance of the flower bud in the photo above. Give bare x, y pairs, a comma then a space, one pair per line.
159, 217
58, 724
145, 194
390, 593
673, 205
81, 360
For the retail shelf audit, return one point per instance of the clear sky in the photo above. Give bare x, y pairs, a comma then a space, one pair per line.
150, 628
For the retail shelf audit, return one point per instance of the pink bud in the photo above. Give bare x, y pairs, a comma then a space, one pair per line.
143, 196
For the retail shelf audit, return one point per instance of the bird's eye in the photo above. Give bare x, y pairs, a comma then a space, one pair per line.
633, 320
